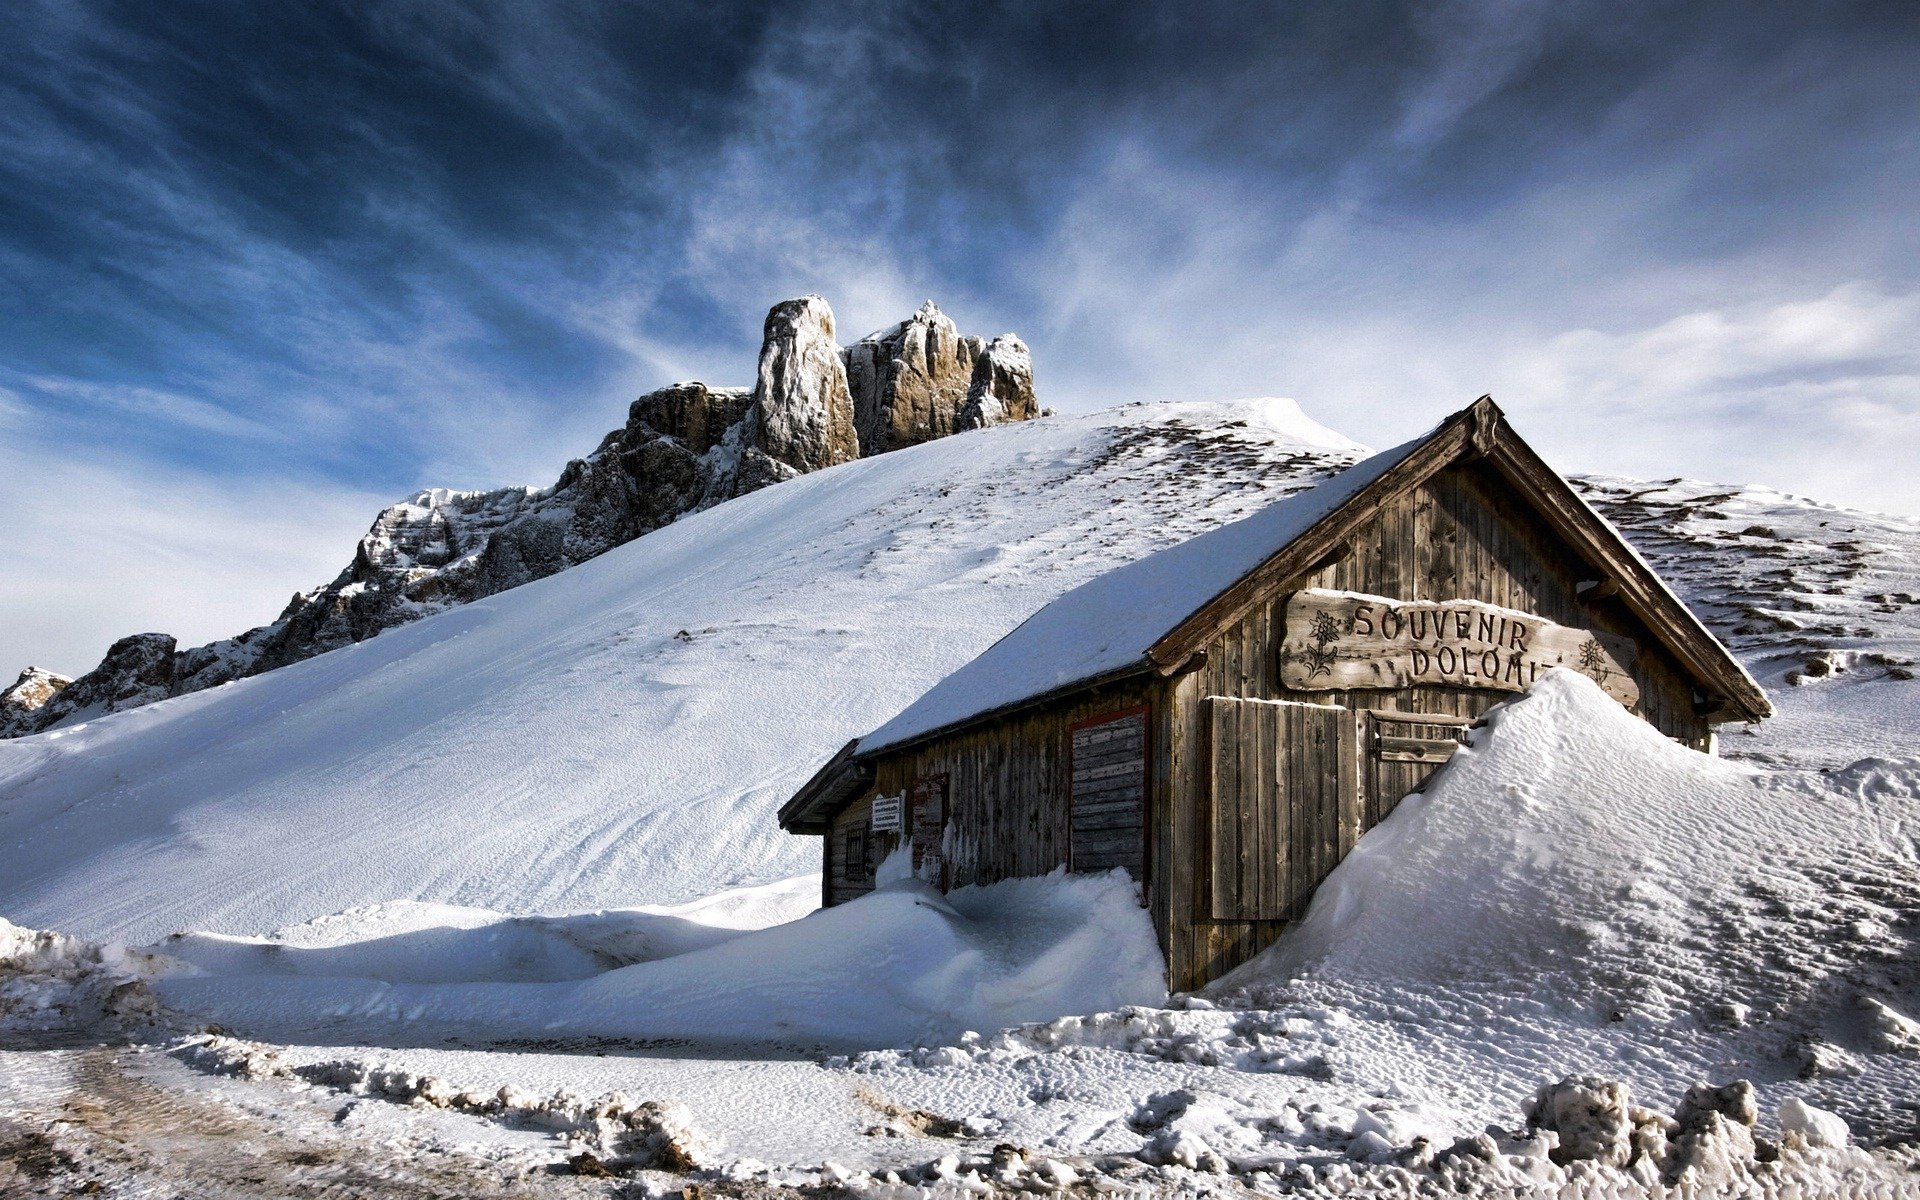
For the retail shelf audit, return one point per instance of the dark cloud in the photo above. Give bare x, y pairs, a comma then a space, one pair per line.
380, 244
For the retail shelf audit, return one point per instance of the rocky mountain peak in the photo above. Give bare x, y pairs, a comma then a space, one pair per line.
683, 448
1002, 385
801, 416
29, 693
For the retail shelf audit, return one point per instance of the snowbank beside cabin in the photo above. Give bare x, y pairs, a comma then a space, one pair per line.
902, 966
410, 942
1576, 893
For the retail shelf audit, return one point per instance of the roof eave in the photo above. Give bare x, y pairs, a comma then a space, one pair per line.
1641, 589
812, 809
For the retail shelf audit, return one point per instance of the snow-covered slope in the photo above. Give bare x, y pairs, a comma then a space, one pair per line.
1822, 604
620, 733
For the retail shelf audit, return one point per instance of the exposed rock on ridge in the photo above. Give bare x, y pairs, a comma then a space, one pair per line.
137, 670
1002, 387
801, 418
921, 380
683, 448
33, 689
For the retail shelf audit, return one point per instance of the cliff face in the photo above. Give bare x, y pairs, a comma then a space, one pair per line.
801, 417
922, 380
683, 448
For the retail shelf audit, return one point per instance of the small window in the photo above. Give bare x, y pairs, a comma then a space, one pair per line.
856, 854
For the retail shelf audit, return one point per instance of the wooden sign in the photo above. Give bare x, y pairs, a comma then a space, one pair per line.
1340, 640
887, 812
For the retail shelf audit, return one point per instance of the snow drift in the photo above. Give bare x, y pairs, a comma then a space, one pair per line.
900, 966
1575, 892
408, 942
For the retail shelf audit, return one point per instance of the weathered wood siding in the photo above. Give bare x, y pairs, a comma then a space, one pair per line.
1009, 810
841, 883
1284, 808
1107, 764
1454, 537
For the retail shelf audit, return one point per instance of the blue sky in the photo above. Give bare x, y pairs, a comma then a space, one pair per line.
266, 267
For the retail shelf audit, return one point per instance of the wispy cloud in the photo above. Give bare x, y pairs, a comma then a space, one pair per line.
104, 546
378, 246
1819, 395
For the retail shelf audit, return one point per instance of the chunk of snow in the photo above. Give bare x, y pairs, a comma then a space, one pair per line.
1816, 1127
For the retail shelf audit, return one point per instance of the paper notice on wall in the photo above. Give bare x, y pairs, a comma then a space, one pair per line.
888, 812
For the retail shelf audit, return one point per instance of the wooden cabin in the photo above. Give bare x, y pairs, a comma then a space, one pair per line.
1224, 718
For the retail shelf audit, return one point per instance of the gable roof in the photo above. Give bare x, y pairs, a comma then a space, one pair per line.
1107, 625
1155, 613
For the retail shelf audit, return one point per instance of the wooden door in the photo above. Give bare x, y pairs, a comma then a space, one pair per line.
1400, 751
1285, 804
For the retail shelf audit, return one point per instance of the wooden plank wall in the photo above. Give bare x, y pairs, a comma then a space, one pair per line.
1283, 806
1454, 537
840, 885
1007, 790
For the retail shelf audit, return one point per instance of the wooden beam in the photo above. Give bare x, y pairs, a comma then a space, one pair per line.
1197, 661
1597, 589
1340, 554
1486, 419
1407, 749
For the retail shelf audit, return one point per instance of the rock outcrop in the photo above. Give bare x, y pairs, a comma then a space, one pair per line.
909, 382
801, 417
20, 703
137, 670
683, 448
921, 380
1002, 385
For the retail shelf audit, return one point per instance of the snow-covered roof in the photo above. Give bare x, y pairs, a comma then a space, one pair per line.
1106, 625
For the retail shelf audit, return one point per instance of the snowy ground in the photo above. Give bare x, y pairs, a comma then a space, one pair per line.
1821, 603
1623, 908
